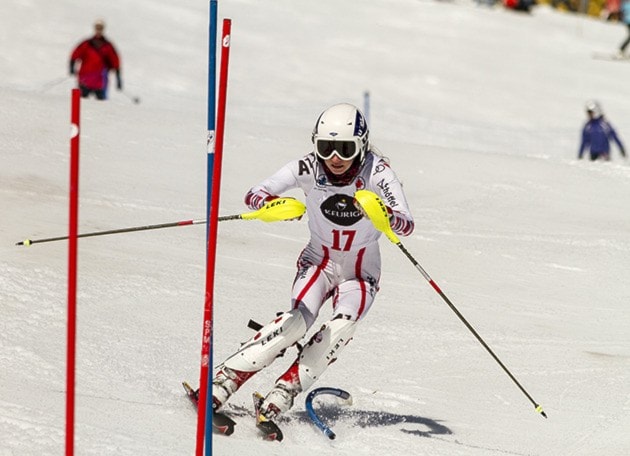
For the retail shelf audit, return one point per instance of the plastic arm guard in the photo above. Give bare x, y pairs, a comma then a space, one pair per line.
323, 349
268, 343
400, 223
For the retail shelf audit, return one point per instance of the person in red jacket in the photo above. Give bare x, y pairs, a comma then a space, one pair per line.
97, 56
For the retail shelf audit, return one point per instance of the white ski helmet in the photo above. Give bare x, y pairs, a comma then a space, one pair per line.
342, 130
594, 107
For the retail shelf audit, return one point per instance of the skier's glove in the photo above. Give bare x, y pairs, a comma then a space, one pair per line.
257, 200
390, 213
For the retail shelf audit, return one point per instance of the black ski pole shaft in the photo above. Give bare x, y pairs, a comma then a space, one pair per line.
377, 212
274, 211
54, 82
435, 286
127, 230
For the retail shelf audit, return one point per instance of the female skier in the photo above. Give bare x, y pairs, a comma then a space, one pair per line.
341, 261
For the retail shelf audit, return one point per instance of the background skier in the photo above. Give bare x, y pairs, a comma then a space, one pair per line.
97, 56
597, 133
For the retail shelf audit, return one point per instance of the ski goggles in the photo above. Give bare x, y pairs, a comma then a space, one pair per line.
344, 149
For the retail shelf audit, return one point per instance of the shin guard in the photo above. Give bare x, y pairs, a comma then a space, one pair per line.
322, 350
268, 343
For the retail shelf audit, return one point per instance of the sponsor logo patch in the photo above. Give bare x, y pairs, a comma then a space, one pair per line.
340, 209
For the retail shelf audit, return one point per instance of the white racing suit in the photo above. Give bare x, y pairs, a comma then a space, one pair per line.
341, 261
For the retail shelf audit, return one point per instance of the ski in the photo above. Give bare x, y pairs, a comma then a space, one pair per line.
267, 428
221, 423
191, 393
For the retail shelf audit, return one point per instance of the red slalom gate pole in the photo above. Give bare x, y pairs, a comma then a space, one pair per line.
72, 267
204, 425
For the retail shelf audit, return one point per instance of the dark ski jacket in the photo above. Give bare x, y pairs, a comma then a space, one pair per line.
596, 136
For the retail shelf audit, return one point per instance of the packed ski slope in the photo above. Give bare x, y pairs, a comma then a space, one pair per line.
479, 110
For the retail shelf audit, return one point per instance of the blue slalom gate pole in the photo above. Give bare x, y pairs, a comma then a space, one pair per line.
212, 97
204, 419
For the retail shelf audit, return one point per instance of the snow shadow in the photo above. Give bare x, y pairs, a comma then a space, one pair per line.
410, 424
332, 415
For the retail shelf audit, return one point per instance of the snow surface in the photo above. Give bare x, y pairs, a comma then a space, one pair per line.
479, 110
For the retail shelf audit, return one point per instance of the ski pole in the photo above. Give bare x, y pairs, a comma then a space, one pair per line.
54, 82
133, 98
28, 242
376, 211
311, 412
274, 211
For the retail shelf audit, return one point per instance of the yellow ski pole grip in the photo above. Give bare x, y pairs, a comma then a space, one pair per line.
376, 211
277, 210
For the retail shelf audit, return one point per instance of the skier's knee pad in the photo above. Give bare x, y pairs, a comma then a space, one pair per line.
268, 343
323, 349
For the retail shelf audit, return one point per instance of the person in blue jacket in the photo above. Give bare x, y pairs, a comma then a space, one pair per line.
597, 133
